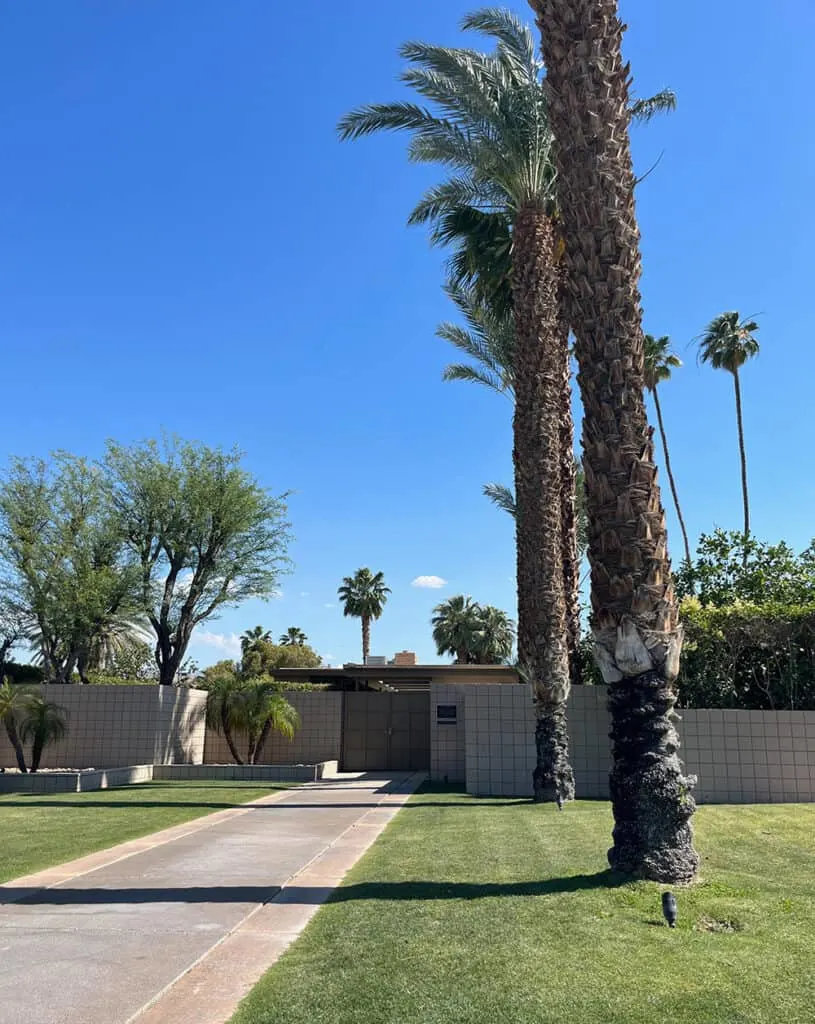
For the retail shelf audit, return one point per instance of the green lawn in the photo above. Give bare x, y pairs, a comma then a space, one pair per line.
498, 912
41, 830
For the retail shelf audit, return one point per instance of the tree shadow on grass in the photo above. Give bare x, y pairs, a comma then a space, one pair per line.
418, 891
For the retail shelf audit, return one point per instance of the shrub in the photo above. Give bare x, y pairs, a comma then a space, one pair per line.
746, 655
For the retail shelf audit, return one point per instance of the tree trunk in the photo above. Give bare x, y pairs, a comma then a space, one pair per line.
743, 456
366, 638
36, 752
635, 620
227, 731
571, 559
671, 480
14, 740
539, 373
264, 732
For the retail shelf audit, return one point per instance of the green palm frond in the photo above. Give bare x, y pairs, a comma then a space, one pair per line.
514, 36
662, 102
463, 191
488, 339
658, 360
502, 497
364, 594
729, 341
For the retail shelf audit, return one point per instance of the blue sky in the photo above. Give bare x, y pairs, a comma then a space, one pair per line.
188, 247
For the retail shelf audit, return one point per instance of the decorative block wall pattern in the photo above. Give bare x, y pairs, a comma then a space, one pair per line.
113, 726
738, 756
319, 737
447, 754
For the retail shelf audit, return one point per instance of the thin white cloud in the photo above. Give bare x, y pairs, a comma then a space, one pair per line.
329, 605
429, 582
229, 643
304, 593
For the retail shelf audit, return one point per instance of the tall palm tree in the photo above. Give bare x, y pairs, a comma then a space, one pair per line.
456, 622
44, 723
658, 362
253, 637
727, 343
293, 637
635, 621
364, 596
491, 128
495, 636
14, 702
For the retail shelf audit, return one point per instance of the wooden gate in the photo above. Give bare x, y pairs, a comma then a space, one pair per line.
386, 732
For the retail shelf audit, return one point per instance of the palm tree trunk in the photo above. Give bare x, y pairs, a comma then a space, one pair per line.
635, 620
14, 740
571, 561
743, 456
36, 752
226, 729
669, 471
366, 638
537, 432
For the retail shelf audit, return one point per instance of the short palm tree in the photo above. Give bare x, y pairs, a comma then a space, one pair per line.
14, 702
44, 723
635, 618
293, 637
727, 343
223, 709
658, 362
456, 622
495, 636
261, 709
253, 637
363, 597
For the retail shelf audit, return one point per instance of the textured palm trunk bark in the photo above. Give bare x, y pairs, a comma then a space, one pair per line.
366, 638
571, 561
537, 433
634, 614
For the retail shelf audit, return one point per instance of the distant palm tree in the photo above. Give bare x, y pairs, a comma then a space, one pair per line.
364, 596
495, 636
727, 343
455, 627
44, 723
252, 637
293, 637
658, 362
14, 702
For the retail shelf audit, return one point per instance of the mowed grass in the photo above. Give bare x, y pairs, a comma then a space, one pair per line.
41, 830
470, 911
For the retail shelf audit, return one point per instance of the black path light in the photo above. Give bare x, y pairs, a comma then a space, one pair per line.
669, 908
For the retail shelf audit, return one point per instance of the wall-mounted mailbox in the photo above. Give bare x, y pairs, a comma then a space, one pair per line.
446, 714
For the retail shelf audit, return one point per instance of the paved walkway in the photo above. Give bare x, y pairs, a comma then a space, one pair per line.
178, 926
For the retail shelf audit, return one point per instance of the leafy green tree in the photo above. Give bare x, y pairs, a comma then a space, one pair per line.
204, 535
134, 661
210, 675
254, 636
455, 624
43, 723
71, 575
726, 344
13, 705
265, 658
729, 569
635, 618
363, 597
659, 361
293, 637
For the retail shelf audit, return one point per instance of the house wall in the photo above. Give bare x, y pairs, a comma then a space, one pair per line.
113, 726
737, 756
319, 737
447, 741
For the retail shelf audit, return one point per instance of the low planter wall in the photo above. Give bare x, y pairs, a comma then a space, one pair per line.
247, 772
75, 782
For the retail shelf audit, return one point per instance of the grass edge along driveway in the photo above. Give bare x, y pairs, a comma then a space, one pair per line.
479, 911
41, 830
